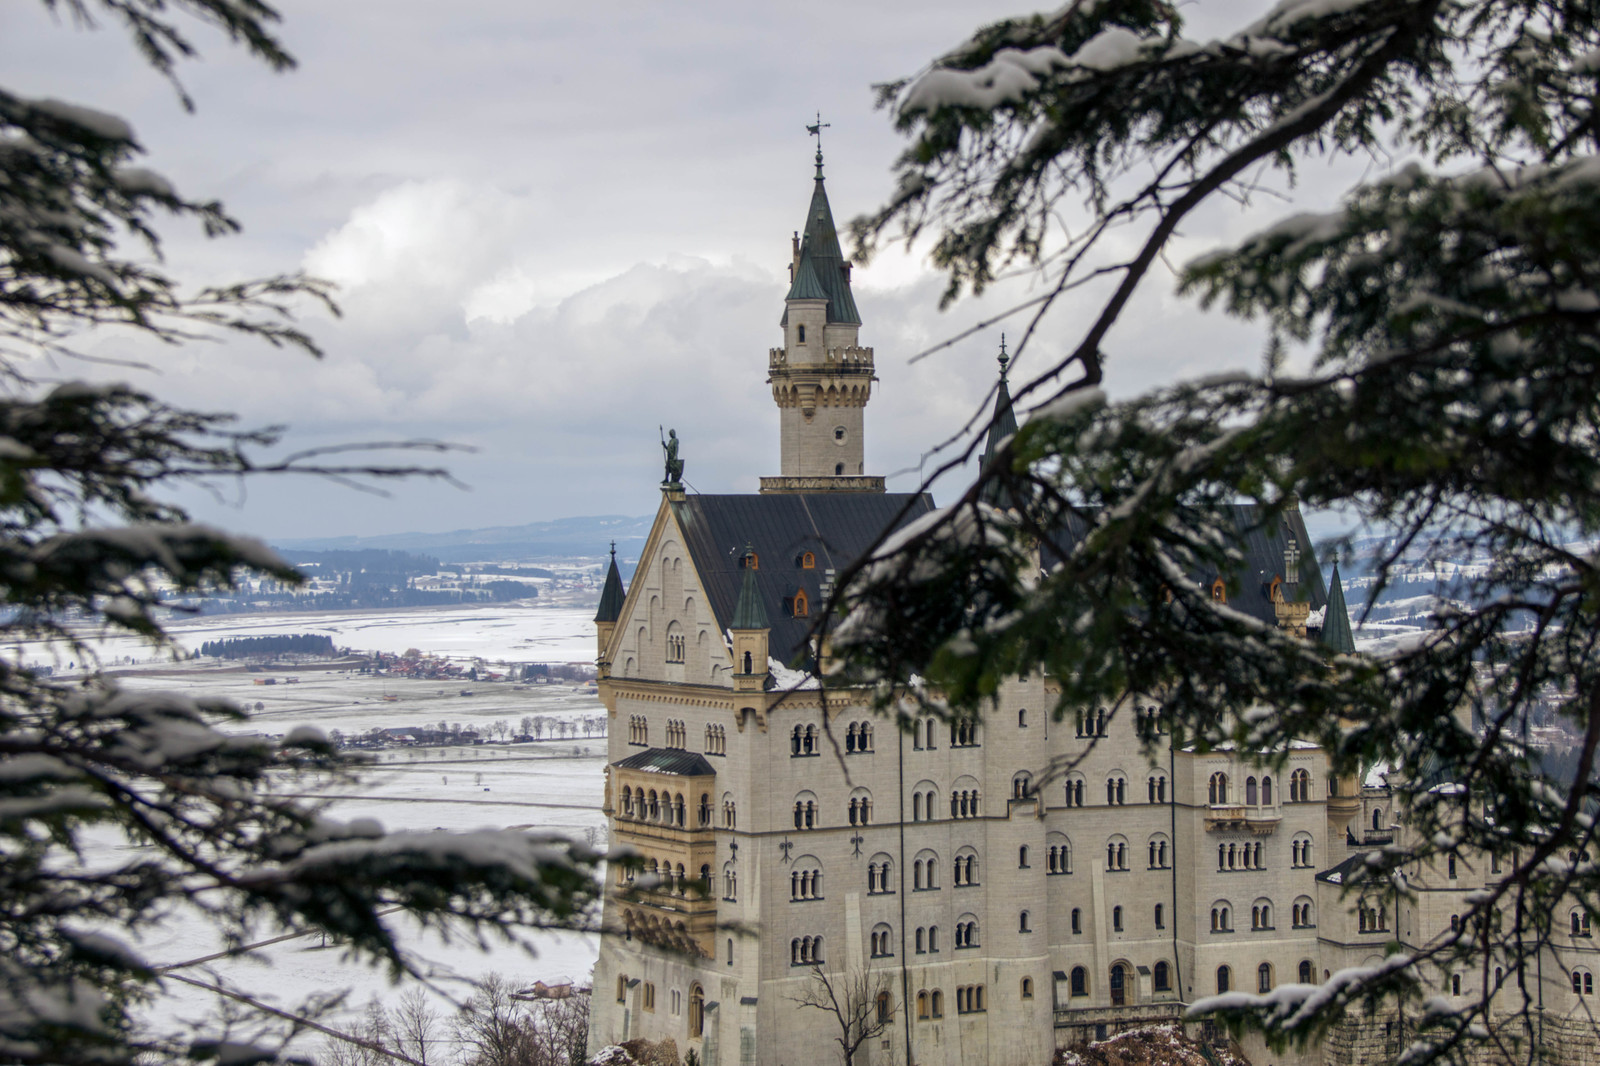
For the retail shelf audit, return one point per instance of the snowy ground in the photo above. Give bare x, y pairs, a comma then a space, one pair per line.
551, 785
497, 633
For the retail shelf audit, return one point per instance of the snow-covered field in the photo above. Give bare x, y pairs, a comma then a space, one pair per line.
497, 632
550, 785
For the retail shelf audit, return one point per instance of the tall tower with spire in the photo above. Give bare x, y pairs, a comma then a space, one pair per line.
821, 378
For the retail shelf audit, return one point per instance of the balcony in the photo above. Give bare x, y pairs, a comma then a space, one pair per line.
1260, 821
1118, 1018
657, 833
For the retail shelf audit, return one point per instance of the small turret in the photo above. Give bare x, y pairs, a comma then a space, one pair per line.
750, 630
609, 612
1336, 635
1002, 425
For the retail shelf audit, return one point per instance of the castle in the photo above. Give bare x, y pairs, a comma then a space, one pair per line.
991, 912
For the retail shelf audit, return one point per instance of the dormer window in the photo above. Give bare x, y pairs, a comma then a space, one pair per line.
1219, 590
805, 561
800, 334
802, 606
750, 561
1275, 592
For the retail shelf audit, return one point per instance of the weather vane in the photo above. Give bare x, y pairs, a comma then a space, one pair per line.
815, 129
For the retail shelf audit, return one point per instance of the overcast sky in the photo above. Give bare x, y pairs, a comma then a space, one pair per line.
555, 228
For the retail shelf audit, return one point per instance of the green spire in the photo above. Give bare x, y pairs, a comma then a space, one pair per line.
611, 596
748, 613
1336, 633
1001, 426
820, 249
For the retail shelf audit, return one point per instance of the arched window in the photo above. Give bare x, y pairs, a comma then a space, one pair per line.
921, 940
697, 1010
1251, 798
922, 1005
885, 1008
1022, 857
1027, 988
1077, 920
1022, 924
1162, 977
1161, 921
1264, 978
1058, 856
1116, 919
1580, 922
1223, 975
1455, 984
808, 561
860, 807
1022, 723
882, 937
1300, 786
1074, 789
1080, 980
1217, 794
802, 606
1119, 977
1305, 971
1157, 788
938, 1003
1450, 865
1021, 785
1266, 791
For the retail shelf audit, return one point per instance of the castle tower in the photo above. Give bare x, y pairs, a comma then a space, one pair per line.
821, 378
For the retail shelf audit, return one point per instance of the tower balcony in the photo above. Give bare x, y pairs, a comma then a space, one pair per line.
849, 361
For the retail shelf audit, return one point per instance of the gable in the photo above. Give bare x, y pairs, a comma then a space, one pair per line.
667, 630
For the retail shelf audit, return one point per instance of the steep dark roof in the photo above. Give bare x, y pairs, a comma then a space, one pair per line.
612, 595
1336, 623
1249, 587
1352, 869
835, 527
820, 253
1001, 426
668, 761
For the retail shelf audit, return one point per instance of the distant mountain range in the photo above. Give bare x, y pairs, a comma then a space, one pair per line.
588, 536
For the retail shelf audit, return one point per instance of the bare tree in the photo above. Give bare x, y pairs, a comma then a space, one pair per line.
527, 725
372, 1036
861, 1003
492, 1027
558, 1033
415, 1026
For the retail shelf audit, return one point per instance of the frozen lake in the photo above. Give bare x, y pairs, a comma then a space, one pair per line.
552, 785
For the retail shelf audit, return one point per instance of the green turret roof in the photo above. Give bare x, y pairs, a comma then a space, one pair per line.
1336, 633
611, 596
1001, 426
821, 255
748, 612
806, 286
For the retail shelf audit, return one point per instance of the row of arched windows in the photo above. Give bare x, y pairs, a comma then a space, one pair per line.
806, 814
861, 810
964, 733
1372, 919
638, 729
664, 808
805, 951
805, 884
803, 741
878, 874
882, 942
1121, 984
1264, 977
1116, 789
857, 738
964, 804
677, 647
967, 934
1300, 786
966, 870
716, 740
969, 999
1091, 724
677, 734
1246, 856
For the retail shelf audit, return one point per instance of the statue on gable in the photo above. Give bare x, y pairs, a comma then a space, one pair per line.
669, 444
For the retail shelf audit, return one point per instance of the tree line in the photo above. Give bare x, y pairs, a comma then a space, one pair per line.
270, 646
